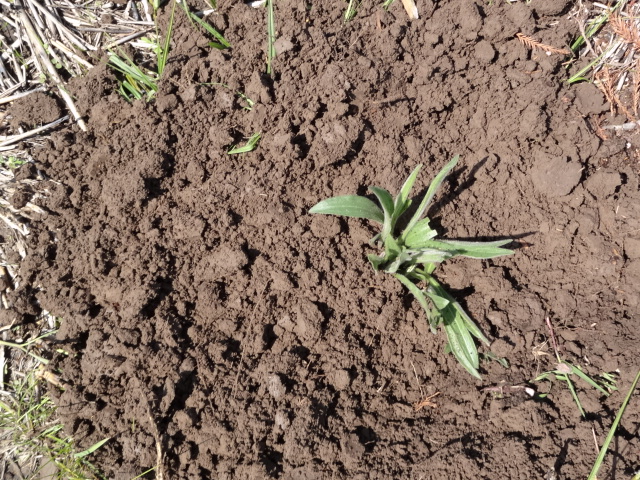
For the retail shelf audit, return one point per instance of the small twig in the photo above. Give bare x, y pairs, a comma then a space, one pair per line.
70, 35
122, 40
44, 58
624, 127
417, 379
552, 335
10, 140
502, 389
595, 439
426, 402
41, 88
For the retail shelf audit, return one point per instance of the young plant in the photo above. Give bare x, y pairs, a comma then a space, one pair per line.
138, 82
612, 431
221, 43
251, 145
271, 37
413, 254
352, 10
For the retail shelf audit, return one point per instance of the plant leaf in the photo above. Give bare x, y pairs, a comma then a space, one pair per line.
575, 370
350, 206
415, 291
482, 250
433, 188
251, 145
440, 302
430, 255
402, 201
420, 233
469, 324
462, 345
92, 448
386, 200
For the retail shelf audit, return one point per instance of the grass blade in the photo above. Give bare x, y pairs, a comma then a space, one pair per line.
221, 43
92, 448
612, 430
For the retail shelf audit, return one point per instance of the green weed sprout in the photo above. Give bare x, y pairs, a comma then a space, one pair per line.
251, 145
413, 254
352, 10
271, 37
612, 431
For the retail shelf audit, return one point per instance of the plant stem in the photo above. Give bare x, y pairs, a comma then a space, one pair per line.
612, 430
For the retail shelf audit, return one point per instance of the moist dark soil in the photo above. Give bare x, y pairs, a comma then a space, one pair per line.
210, 318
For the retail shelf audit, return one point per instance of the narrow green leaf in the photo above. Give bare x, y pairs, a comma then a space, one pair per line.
221, 43
402, 201
92, 448
433, 188
350, 206
440, 302
575, 370
612, 430
482, 250
461, 344
430, 255
386, 200
251, 145
470, 324
415, 291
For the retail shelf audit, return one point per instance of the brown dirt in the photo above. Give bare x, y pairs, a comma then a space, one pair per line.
206, 312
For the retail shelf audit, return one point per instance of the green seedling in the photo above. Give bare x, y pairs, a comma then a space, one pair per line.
352, 10
593, 27
137, 82
11, 162
33, 437
565, 370
221, 43
413, 254
271, 37
387, 4
612, 431
251, 145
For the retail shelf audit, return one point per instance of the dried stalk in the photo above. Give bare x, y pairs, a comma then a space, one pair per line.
44, 59
624, 30
535, 45
16, 138
41, 88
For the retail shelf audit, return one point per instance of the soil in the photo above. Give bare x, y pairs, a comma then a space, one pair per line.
210, 318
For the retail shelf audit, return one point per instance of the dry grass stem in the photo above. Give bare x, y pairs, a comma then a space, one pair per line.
535, 45
7, 141
426, 402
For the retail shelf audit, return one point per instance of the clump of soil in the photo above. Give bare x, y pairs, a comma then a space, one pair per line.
37, 107
208, 314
